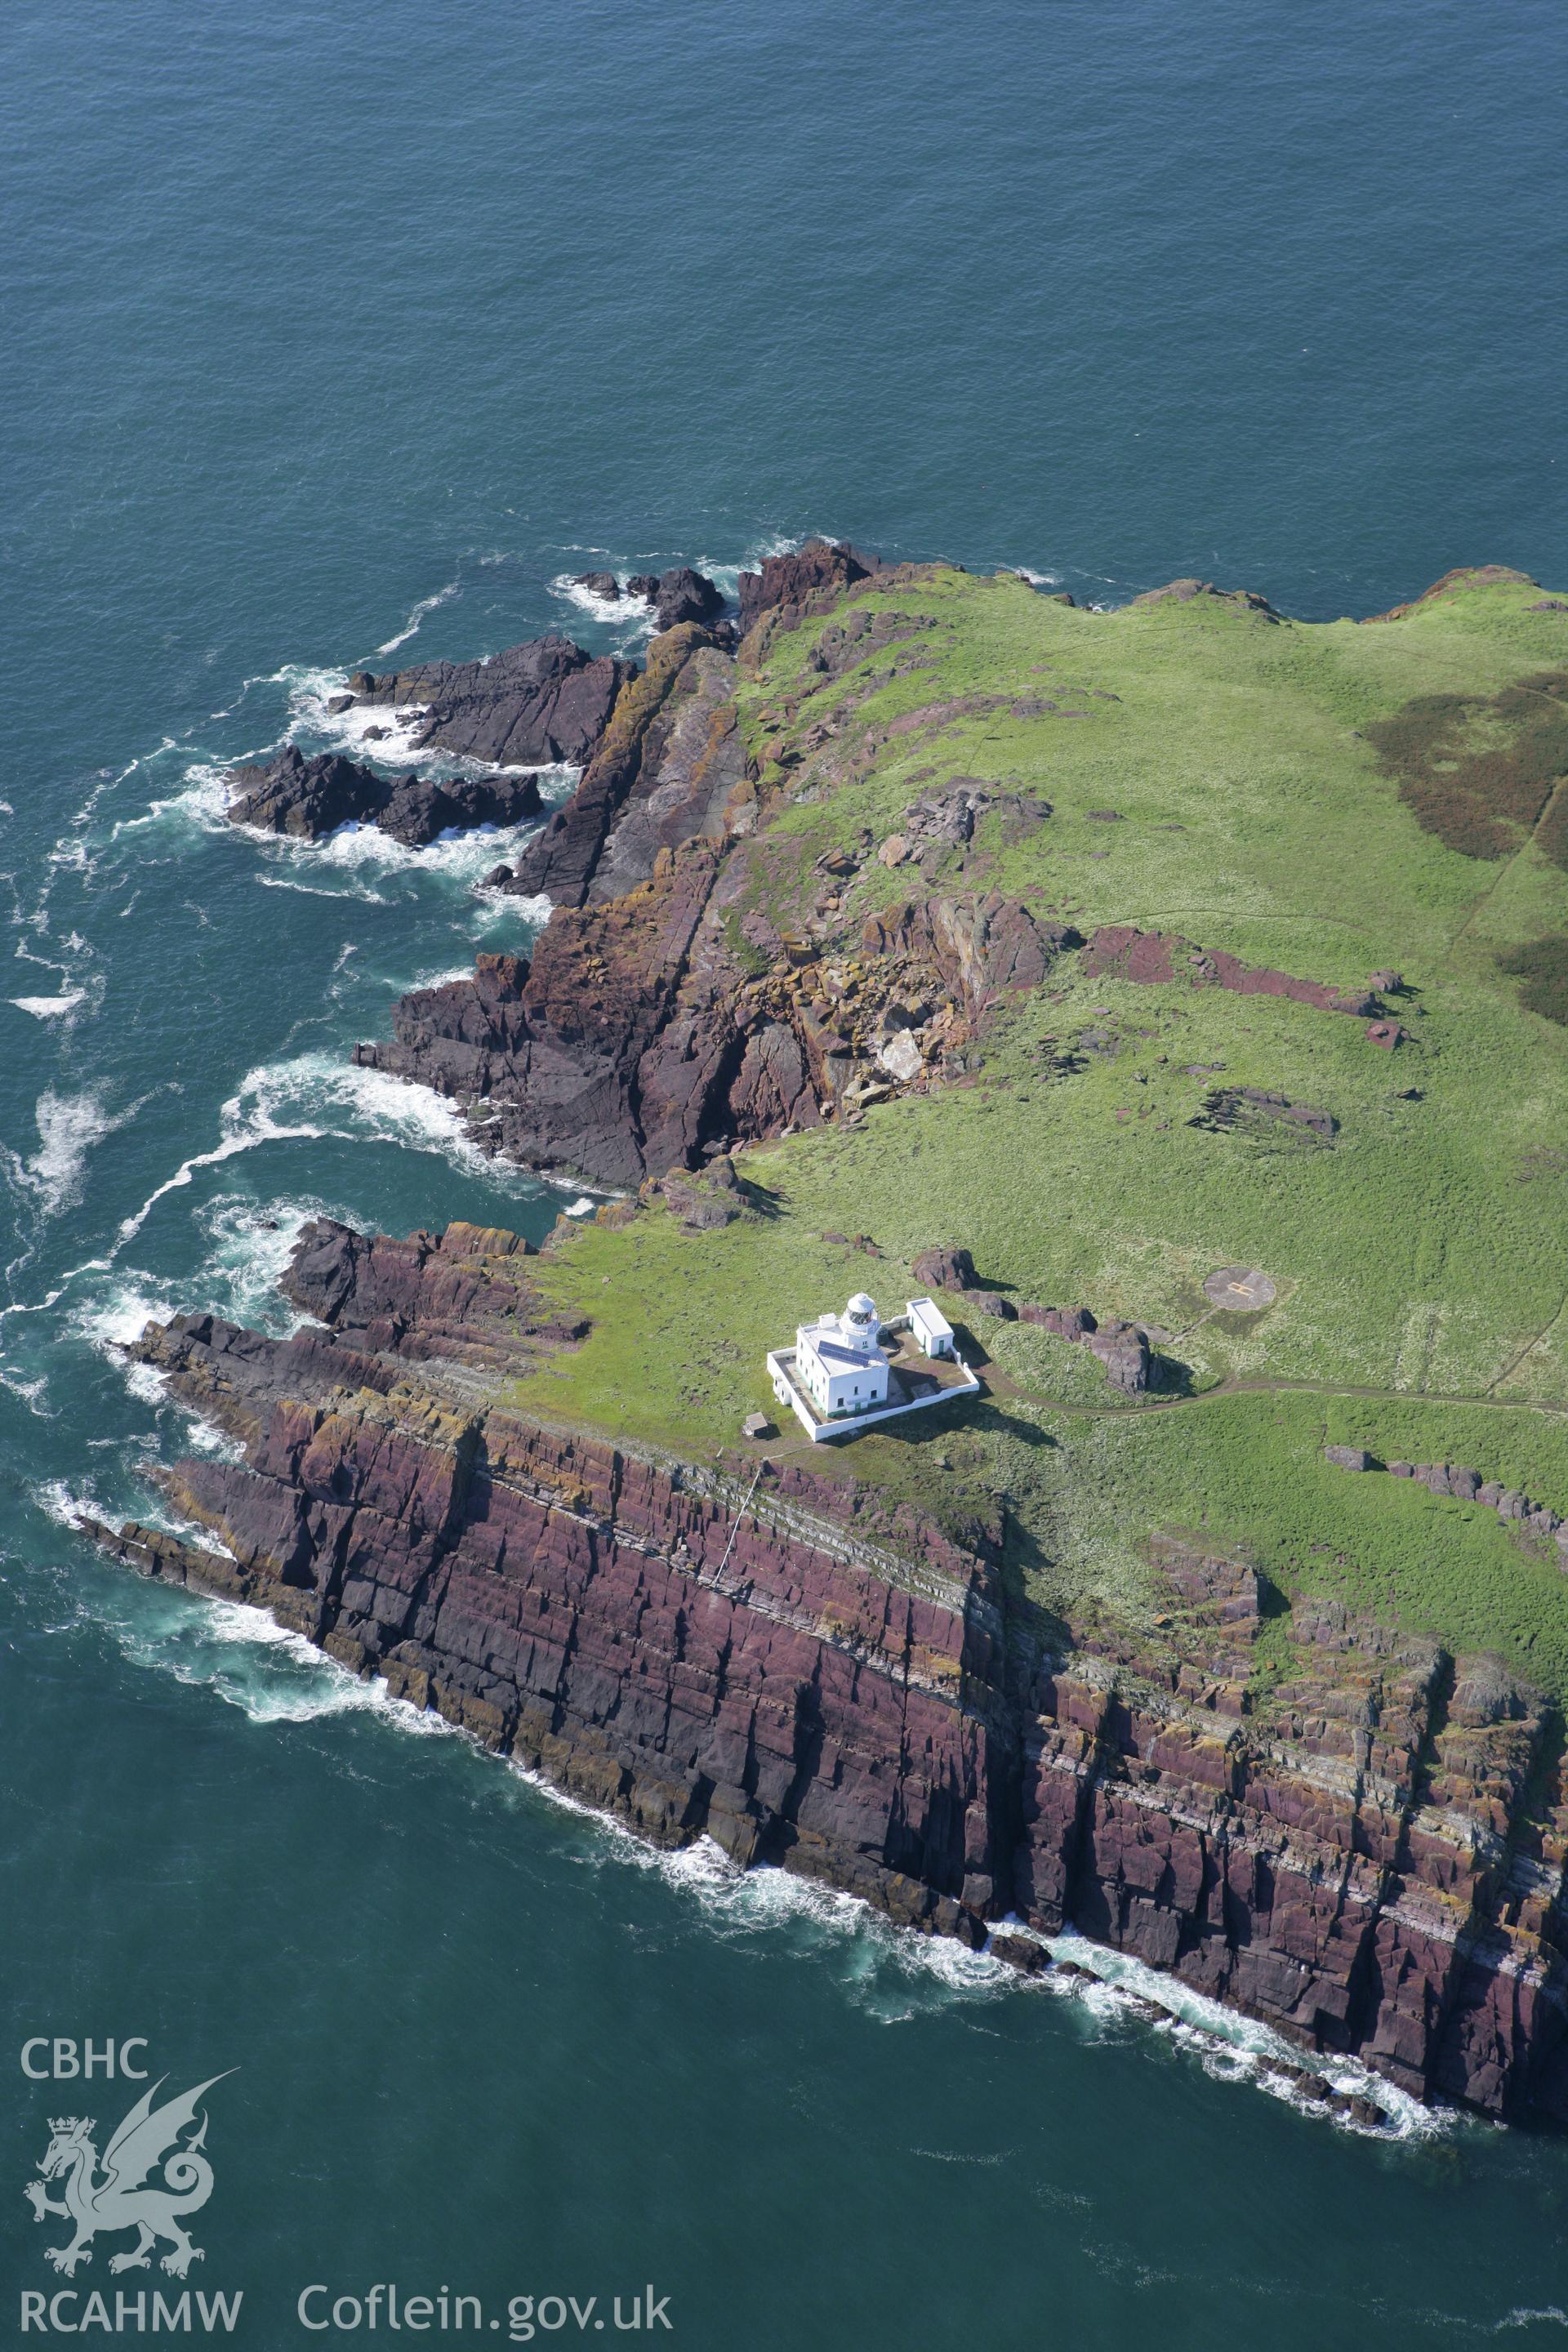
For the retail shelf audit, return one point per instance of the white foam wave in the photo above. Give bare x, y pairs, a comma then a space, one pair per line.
1230, 2046
31, 1392
114, 1319
50, 1008
201, 800
612, 610
383, 731
60, 1503
146, 1383
271, 1675
364, 897
886, 1968
117, 1318
427, 605
1041, 579
534, 911
631, 618
319, 1095
68, 1127
463, 857
250, 1243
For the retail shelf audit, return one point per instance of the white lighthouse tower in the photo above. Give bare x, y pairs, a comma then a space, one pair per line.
859, 1321
839, 1361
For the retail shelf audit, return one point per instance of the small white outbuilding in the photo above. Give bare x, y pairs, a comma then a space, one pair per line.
931, 1329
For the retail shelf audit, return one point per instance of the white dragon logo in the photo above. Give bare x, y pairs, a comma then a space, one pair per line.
122, 2199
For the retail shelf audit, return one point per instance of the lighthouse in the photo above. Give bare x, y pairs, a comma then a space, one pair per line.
840, 1362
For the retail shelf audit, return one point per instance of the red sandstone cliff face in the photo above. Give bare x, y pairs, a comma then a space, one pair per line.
1370, 1856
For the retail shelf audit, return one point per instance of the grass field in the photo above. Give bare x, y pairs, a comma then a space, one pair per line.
1419, 1256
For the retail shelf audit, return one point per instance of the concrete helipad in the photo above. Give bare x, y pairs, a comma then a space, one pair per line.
1240, 1289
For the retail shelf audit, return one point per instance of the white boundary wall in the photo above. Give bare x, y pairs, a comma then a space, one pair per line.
781, 1362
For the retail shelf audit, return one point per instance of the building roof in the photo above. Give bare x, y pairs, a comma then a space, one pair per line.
928, 1317
835, 1349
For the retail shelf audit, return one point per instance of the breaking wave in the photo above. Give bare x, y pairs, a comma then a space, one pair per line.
1231, 2048
68, 1127
427, 605
317, 1096
50, 1008
629, 618
271, 1675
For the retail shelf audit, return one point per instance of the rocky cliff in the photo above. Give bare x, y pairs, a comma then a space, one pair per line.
1356, 1834
1366, 1850
664, 1015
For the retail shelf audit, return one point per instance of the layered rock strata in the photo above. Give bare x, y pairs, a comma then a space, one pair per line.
663, 774
1366, 1847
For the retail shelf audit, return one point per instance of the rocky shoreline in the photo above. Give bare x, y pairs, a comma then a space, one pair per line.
1369, 1855
1371, 1861
661, 1019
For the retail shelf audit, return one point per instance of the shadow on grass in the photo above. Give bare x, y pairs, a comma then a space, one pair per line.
1035, 1632
1169, 1377
762, 1200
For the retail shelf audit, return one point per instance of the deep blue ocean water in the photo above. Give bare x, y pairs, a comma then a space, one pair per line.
334, 332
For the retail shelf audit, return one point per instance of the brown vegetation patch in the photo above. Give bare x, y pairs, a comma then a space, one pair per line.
1542, 965
1125, 953
1478, 771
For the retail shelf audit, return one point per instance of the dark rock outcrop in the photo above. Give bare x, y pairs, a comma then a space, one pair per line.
1247, 1107
952, 1269
419, 811
982, 947
310, 798
536, 703
1466, 1486
948, 1268
560, 1049
642, 1032
663, 774
701, 1202
1368, 1854
816, 565
683, 594
1066, 1322
1182, 591
1123, 1348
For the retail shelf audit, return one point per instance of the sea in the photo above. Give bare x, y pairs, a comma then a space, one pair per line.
346, 336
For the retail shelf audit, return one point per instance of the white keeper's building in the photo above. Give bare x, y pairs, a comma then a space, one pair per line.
837, 1379
839, 1362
